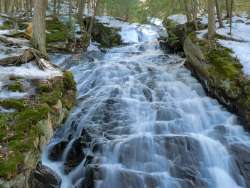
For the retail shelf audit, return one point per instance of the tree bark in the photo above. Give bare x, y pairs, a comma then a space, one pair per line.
211, 21
188, 11
218, 12
227, 9
231, 15
54, 8
39, 26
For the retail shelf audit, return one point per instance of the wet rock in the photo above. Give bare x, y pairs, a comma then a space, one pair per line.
148, 95
44, 177
93, 174
56, 151
166, 114
75, 154
241, 154
101, 33
85, 136
189, 176
183, 150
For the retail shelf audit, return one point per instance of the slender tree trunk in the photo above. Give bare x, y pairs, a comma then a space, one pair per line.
80, 10
231, 15
188, 11
227, 9
54, 8
58, 7
195, 12
218, 12
96, 4
39, 26
211, 21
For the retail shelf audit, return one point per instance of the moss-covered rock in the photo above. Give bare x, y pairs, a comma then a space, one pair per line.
101, 33
24, 132
56, 31
221, 75
15, 86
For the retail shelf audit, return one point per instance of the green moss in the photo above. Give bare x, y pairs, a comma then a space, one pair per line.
57, 31
16, 86
17, 104
224, 64
5, 120
9, 167
19, 137
44, 87
19, 130
51, 98
7, 25
32, 115
68, 81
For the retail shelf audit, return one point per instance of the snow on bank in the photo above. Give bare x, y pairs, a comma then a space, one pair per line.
241, 51
240, 31
178, 18
26, 71
240, 43
29, 71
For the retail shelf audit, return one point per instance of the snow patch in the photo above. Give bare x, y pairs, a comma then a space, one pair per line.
240, 31
178, 18
241, 51
27, 71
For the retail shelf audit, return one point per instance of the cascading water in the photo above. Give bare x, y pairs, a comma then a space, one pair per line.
142, 120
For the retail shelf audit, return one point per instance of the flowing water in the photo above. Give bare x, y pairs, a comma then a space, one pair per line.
142, 120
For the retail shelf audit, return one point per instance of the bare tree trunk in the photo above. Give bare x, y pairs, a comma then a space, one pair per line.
227, 9
195, 12
218, 12
96, 4
80, 10
188, 11
211, 21
39, 26
231, 15
54, 8
58, 7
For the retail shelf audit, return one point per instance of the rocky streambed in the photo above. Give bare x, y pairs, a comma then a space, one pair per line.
142, 120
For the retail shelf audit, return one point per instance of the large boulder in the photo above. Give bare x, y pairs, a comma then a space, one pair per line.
103, 34
31, 122
44, 177
241, 154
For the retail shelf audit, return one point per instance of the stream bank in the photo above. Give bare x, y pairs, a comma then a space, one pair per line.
219, 70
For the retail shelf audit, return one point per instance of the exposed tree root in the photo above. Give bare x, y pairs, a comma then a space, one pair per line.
29, 55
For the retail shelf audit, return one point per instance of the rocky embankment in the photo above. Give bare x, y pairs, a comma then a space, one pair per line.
35, 98
219, 71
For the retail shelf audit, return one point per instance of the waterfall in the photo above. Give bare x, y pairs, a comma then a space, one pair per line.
143, 121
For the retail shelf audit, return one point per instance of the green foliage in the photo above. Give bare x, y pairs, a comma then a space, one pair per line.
126, 10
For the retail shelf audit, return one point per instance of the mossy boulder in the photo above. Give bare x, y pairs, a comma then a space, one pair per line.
221, 75
24, 132
103, 34
56, 31
15, 86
